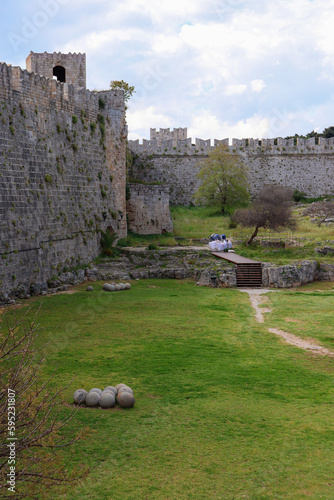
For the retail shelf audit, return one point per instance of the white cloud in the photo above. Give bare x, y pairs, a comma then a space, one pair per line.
235, 89
94, 41
207, 125
257, 85
166, 43
220, 67
143, 119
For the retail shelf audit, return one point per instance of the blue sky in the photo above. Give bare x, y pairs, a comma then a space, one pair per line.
222, 68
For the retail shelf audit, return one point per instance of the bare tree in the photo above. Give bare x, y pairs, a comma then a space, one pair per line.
320, 209
272, 209
32, 413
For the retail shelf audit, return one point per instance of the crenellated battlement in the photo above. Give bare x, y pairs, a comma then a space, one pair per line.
171, 157
175, 142
67, 68
47, 93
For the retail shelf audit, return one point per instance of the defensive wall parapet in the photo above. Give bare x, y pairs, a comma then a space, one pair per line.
304, 164
203, 147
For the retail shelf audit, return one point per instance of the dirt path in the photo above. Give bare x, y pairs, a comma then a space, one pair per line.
256, 299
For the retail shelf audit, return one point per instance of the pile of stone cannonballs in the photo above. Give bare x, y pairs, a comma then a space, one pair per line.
121, 394
112, 287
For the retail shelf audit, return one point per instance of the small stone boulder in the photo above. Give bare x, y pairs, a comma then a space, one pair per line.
108, 288
92, 399
118, 386
79, 397
96, 390
107, 400
126, 399
110, 388
89, 289
125, 389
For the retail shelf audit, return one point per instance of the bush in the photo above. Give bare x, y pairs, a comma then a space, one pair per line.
30, 414
152, 246
232, 224
107, 241
298, 195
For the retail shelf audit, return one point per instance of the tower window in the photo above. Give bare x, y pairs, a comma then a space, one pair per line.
59, 73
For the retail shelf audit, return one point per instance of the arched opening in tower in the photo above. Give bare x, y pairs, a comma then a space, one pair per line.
60, 73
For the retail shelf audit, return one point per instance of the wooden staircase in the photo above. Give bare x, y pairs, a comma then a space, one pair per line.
249, 272
249, 275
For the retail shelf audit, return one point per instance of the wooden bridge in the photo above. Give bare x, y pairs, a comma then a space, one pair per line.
249, 272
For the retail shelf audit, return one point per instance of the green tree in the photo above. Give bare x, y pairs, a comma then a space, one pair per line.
224, 181
129, 90
328, 132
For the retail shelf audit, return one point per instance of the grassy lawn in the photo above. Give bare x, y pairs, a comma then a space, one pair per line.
193, 223
306, 312
201, 222
223, 409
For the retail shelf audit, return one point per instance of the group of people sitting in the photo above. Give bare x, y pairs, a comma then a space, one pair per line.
219, 242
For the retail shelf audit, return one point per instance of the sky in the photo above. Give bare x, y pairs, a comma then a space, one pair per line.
221, 68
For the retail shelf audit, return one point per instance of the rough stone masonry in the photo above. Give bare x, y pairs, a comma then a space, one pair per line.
171, 157
62, 169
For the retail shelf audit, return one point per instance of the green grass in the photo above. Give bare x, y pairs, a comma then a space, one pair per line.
224, 409
306, 312
198, 222
138, 240
192, 223
201, 222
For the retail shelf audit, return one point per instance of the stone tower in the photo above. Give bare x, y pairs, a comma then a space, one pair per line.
66, 68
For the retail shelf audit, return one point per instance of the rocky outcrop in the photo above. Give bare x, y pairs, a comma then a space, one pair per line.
325, 272
291, 275
180, 263
325, 251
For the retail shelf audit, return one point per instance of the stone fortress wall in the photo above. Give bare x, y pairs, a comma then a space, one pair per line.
148, 209
172, 158
62, 170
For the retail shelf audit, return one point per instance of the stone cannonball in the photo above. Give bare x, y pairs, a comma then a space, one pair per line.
79, 397
117, 288
92, 399
110, 388
125, 389
122, 286
118, 386
107, 400
127, 286
89, 289
108, 391
96, 390
125, 399
108, 288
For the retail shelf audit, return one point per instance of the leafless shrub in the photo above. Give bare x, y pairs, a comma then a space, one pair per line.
40, 419
272, 209
320, 209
